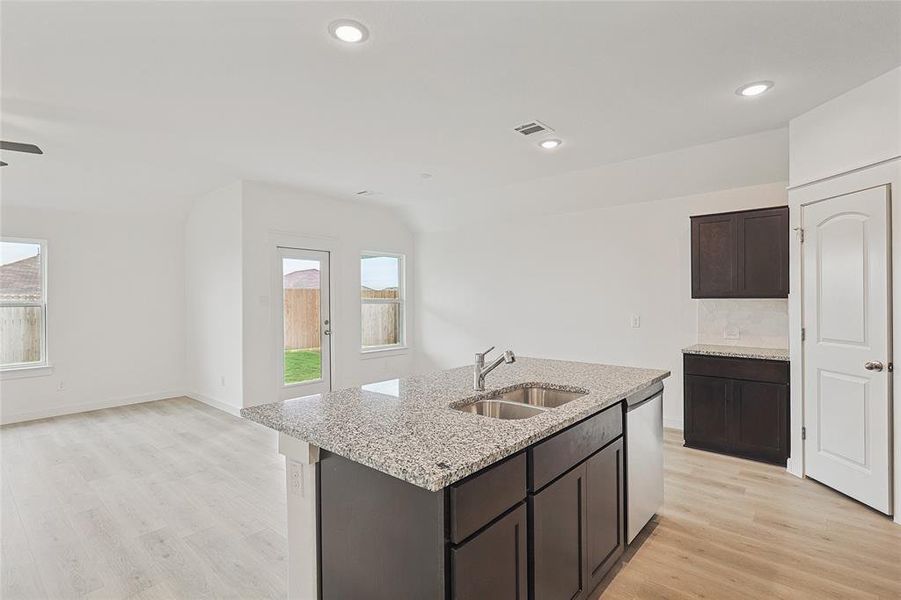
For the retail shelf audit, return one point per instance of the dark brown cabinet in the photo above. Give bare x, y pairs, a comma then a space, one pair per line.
759, 420
577, 526
742, 410
740, 254
605, 519
545, 523
558, 530
706, 414
493, 564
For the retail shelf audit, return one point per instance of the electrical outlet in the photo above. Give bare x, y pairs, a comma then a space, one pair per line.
731, 332
636, 321
61, 386
296, 472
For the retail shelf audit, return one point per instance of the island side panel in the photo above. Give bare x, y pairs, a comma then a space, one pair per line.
380, 537
301, 465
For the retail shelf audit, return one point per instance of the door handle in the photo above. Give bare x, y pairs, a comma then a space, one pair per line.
327, 330
873, 365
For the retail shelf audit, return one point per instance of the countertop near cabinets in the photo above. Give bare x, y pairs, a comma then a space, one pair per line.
409, 430
738, 352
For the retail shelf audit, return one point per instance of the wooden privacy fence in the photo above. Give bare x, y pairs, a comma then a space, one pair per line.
302, 320
20, 334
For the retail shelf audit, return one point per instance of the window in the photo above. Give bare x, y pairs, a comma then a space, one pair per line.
23, 303
382, 300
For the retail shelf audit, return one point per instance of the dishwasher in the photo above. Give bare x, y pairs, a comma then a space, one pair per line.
644, 459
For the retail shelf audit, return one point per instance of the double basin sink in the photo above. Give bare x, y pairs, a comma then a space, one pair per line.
520, 403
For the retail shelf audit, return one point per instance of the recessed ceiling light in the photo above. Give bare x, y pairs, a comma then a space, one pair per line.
350, 31
550, 144
754, 89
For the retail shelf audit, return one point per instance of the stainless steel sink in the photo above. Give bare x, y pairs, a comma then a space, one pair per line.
539, 396
500, 409
520, 403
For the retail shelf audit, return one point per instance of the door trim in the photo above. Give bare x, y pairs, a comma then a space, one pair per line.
884, 173
326, 374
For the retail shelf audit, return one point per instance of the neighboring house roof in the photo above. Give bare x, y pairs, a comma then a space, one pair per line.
20, 281
302, 280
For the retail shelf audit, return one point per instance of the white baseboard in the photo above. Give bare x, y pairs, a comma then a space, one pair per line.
673, 424
223, 406
71, 409
793, 466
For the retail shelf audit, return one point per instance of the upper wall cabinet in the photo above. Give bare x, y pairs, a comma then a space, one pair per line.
740, 254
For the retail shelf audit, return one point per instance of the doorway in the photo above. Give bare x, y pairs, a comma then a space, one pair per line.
304, 322
847, 344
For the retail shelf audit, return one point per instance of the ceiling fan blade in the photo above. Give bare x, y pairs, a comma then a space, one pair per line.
3, 164
20, 147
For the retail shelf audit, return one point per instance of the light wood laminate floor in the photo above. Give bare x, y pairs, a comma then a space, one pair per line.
174, 499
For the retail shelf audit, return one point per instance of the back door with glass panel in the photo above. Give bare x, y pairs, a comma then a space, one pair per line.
305, 323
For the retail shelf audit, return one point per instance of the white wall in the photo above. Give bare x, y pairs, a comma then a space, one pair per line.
276, 215
566, 286
859, 128
736, 162
214, 299
116, 311
855, 140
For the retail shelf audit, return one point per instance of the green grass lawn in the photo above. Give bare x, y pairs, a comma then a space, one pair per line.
302, 365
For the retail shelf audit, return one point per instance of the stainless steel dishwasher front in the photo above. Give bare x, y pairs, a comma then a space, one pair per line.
644, 462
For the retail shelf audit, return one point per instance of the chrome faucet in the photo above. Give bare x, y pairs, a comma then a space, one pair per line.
480, 370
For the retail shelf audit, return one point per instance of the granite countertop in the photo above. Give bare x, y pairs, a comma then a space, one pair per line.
738, 351
406, 428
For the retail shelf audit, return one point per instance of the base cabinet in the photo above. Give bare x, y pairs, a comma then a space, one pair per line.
605, 513
546, 523
759, 420
577, 527
558, 534
494, 563
707, 411
743, 409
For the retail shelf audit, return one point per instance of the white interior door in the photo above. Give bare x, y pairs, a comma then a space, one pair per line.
847, 349
303, 323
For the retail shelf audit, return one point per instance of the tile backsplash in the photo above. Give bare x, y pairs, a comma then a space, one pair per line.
744, 322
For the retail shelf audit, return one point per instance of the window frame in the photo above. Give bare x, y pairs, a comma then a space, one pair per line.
42, 366
401, 303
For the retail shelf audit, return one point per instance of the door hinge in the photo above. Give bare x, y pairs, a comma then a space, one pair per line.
800, 232
803, 334
803, 433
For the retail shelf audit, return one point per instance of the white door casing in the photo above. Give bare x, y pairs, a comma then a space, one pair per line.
847, 318
316, 385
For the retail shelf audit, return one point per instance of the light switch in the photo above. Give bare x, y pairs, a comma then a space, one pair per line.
636, 321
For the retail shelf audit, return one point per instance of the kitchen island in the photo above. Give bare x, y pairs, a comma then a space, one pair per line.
395, 492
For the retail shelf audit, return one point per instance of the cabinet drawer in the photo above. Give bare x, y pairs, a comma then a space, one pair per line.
557, 454
750, 369
481, 497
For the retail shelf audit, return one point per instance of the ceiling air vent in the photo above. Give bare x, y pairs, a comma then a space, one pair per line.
532, 127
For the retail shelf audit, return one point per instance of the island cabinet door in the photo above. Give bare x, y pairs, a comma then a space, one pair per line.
493, 564
605, 518
558, 534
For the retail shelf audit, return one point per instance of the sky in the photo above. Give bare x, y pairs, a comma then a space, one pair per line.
11, 252
376, 273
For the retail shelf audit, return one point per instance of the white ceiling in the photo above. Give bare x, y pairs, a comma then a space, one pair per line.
141, 106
